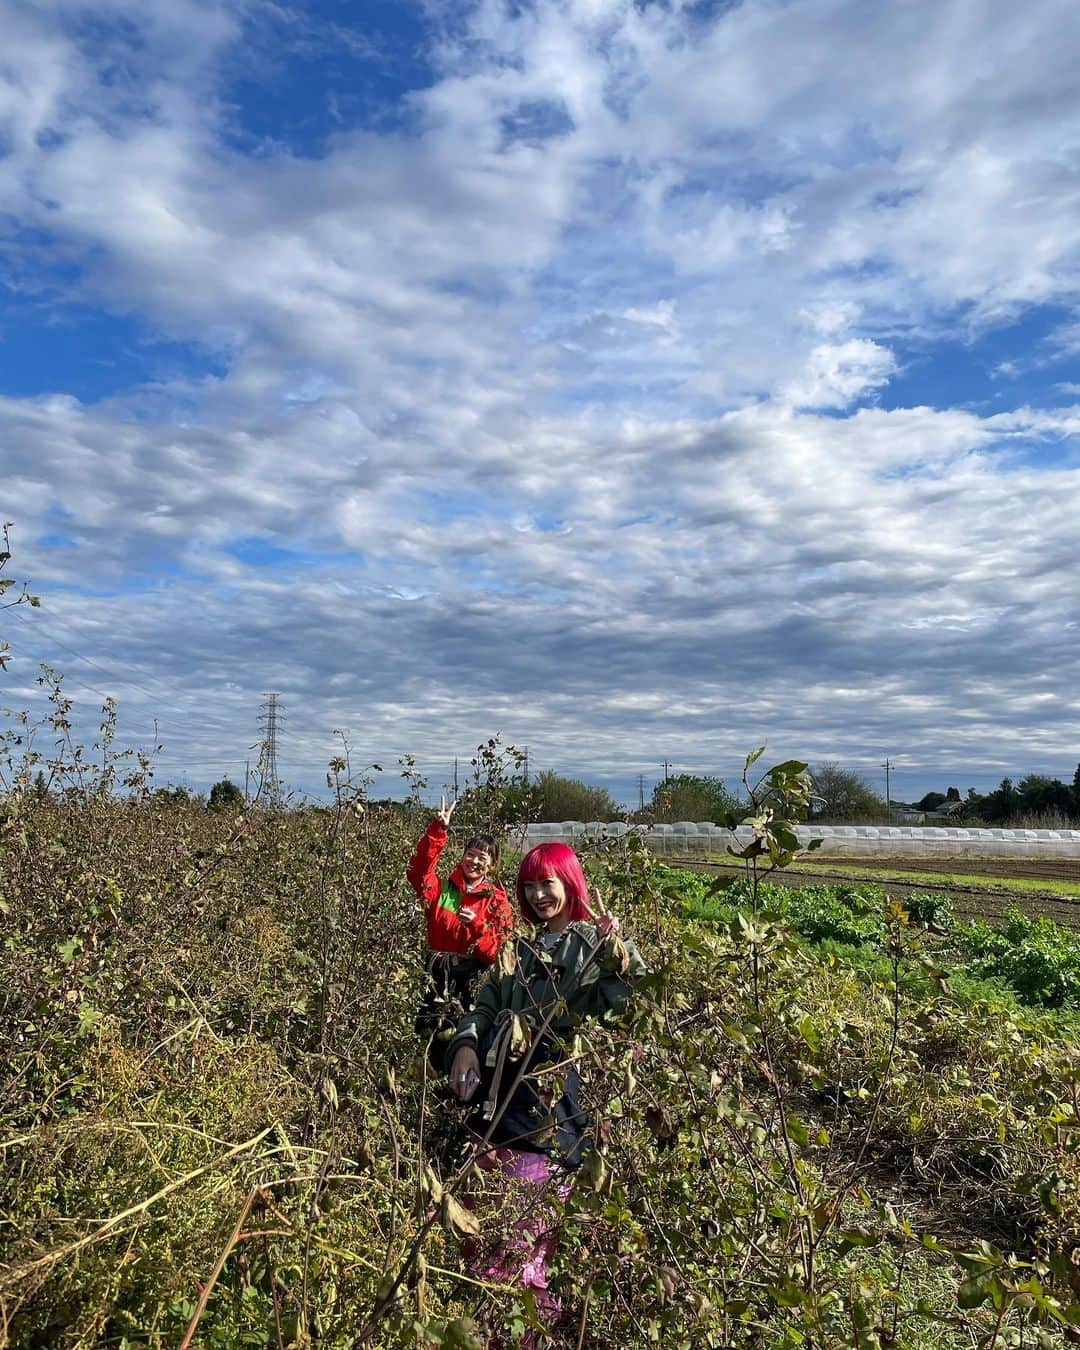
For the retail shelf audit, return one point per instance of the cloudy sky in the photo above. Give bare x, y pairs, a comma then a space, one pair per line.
639, 381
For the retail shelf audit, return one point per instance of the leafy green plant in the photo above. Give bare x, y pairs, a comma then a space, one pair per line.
1035, 956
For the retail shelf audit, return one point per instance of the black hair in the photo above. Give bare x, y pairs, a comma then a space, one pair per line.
488, 843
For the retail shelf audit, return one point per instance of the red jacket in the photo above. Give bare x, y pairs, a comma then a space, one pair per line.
447, 931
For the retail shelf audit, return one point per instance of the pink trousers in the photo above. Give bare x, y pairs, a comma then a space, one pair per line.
529, 1232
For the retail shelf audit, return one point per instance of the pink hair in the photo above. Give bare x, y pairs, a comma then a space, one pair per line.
554, 860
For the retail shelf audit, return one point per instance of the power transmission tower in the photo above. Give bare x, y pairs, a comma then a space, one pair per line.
269, 782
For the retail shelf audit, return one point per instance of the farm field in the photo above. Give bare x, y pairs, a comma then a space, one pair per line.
981, 888
218, 1130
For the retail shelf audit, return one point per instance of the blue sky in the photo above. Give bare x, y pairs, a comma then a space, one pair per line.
637, 381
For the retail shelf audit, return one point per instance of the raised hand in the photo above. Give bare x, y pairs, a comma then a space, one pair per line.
606, 922
445, 812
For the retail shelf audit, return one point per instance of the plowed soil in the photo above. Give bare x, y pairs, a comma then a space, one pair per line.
982, 901
1050, 869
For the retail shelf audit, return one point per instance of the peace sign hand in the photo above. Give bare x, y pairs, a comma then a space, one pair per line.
607, 923
445, 812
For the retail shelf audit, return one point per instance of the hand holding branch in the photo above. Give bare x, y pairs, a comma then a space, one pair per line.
465, 1073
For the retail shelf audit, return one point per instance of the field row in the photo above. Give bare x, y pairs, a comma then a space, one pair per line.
978, 888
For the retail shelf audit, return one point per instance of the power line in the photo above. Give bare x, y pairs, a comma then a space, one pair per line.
115, 679
121, 681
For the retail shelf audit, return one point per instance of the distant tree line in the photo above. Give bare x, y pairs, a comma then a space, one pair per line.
840, 796
843, 796
1035, 796
684, 796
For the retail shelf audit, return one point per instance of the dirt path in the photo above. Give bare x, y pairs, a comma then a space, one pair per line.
971, 902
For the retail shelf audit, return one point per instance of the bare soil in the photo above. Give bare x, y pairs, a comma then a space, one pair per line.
1049, 869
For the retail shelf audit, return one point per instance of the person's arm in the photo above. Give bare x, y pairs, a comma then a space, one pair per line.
495, 928
463, 1052
422, 864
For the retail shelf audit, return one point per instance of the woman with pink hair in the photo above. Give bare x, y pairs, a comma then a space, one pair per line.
516, 1045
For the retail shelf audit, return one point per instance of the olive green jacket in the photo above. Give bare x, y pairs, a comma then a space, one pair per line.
543, 979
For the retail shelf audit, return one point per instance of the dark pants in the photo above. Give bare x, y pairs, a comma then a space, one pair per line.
449, 987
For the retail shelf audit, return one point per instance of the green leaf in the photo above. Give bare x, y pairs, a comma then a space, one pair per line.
851, 1238
786, 838
973, 1292
810, 1034
790, 768
797, 1131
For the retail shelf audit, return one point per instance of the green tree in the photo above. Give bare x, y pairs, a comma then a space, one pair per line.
225, 796
1003, 802
1040, 794
931, 801
952, 795
554, 797
688, 796
843, 795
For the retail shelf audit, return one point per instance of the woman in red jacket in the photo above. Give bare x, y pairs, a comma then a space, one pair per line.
468, 918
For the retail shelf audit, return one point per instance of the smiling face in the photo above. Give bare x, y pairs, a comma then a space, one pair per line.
551, 874
476, 862
549, 902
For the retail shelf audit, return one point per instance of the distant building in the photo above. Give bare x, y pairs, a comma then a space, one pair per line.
947, 810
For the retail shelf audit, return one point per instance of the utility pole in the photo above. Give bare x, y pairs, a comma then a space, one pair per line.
886, 765
247, 783
455, 779
269, 782
526, 766
667, 766
641, 790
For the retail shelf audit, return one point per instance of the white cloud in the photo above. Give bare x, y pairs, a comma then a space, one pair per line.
839, 373
527, 372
